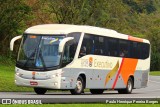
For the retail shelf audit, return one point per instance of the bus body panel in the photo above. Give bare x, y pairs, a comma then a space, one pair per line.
96, 76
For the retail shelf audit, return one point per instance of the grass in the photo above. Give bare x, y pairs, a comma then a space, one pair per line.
7, 80
155, 73
84, 105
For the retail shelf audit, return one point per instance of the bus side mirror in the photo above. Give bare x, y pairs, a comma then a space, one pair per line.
13, 40
63, 42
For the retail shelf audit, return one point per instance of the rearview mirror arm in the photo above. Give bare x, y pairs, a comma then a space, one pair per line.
13, 40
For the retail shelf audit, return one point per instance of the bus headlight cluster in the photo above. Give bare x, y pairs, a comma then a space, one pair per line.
19, 74
55, 83
56, 75
53, 76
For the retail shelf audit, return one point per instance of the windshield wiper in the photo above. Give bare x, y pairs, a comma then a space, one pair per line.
40, 55
29, 58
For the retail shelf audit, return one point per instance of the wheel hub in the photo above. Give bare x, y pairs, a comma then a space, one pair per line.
79, 85
129, 86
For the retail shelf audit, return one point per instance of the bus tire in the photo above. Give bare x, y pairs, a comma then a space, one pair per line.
96, 91
79, 86
40, 91
128, 89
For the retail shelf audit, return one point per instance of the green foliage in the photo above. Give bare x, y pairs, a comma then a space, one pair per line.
13, 14
104, 13
74, 11
141, 6
154, 37
9, 61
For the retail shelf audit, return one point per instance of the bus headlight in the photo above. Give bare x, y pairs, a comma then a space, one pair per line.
56, 75
55, 83
19, 74
53, 76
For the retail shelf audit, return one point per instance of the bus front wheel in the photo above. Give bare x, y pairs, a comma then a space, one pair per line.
40, 91
128, 89
96, 91
79, 86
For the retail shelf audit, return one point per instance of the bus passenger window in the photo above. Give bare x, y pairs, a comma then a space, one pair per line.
113, 47
87, 46
122, 53
145, 50
136, 50
82, 51
123, 48
99, 45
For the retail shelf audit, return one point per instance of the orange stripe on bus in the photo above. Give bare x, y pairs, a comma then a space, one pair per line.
135, 39
127, 68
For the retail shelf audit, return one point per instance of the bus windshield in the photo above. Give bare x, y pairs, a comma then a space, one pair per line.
39, 51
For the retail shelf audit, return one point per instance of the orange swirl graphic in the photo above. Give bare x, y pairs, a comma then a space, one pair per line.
111, 73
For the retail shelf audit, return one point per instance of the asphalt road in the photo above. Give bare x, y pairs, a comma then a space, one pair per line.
152, 91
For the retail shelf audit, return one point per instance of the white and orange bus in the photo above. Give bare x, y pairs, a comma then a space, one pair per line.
75, 57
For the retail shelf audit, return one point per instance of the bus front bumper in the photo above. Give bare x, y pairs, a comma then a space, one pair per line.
53, 83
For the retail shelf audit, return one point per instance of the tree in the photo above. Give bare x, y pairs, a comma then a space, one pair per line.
88, 12
12, 16
154, 37
71, 11
141, 6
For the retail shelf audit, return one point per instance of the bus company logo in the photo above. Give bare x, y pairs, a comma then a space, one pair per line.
90, 61
87, 62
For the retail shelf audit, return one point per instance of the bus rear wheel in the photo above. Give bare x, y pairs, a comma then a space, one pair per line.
79, 86
40, 91
96, 91
128, 89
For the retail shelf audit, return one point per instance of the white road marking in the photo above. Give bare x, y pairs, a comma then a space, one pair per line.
148, 90
154, 81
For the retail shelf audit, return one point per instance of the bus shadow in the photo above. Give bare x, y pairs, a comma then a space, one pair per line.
83, 94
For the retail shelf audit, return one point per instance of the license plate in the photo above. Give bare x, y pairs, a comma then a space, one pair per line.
33, 83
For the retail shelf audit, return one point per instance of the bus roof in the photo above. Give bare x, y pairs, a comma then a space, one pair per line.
66, 28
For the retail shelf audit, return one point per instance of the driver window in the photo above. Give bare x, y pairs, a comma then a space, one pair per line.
69, 53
